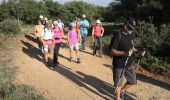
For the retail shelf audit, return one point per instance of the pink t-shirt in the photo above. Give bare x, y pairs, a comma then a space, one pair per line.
72, 35
97, 30
58, 35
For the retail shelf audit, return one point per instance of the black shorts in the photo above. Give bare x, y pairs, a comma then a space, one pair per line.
128, 73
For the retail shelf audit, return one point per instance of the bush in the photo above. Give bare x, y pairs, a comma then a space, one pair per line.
9, 91
10, 27
156, 42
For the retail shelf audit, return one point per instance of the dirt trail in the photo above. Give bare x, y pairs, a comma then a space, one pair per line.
90, 80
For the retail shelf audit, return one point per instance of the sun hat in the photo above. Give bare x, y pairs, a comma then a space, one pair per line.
55, 22
73, 24
41, 17
98, 21
83, 16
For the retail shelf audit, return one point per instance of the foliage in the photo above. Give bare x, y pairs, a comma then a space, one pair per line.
9, 91
10, 26
157, 45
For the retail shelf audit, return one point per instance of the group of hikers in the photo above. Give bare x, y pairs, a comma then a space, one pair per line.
49, 38
50, 33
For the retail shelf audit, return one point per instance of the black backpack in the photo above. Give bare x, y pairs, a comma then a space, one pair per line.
115, 34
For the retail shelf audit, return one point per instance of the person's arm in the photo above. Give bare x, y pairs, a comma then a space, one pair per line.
102, 31
119, 53
93, 34
79, 35
68, 37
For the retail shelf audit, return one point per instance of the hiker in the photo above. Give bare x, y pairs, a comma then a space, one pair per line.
47, 38
84, 25
41, 18
122, 49
37, 31
60, 24
58, 34
73, 38
97, 34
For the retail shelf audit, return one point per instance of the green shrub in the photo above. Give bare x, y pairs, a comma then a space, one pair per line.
10, 91
156, 42
10, 26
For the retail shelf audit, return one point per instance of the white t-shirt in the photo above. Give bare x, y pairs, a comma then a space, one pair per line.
47, 34
61, 25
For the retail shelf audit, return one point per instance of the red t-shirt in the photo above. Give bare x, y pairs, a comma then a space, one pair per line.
97, 30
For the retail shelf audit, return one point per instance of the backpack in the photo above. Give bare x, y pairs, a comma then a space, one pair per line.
115, 34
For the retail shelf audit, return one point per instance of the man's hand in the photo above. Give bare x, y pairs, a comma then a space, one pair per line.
129, 53
142, 53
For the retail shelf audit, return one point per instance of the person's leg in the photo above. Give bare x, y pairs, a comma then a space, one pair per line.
83, 42
57, 52
100, 46
77, 52
95, 46
130, 75
46, 53
118, 74
54, 58
51, 51
71, 52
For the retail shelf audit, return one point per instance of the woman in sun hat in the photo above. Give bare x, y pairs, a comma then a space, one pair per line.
97, 34
47, 38
73, 38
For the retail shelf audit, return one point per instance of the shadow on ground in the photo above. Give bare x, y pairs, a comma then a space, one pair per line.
32, 51
91, 83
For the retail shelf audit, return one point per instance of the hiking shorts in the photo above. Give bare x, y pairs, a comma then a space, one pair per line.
48, 48
72, 46
128, 73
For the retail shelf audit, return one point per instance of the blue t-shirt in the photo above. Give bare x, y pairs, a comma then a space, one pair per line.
84, 24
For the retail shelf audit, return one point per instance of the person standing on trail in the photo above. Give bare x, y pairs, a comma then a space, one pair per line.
97, 34
73, 38
122, 48
37, 31
84, 25
47, 38
58, 34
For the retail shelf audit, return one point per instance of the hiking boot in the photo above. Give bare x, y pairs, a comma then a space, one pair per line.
78, 60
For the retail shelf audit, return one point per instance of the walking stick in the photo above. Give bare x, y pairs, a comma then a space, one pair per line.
121, 74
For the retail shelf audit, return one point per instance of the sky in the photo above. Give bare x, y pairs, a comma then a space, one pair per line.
103, 3
95, 2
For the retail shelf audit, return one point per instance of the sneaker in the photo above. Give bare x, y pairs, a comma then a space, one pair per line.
122, 95
78, 60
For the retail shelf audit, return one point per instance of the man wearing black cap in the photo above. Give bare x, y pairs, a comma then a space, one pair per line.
122, 49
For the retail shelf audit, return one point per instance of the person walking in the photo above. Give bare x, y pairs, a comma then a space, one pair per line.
37, 31
84, 25
47, 38
122, 49
97, 34
73, 38
58, 35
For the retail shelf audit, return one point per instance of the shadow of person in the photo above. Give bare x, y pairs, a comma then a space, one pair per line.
108, 66
31, 38
153, 81
78, 81
32, 51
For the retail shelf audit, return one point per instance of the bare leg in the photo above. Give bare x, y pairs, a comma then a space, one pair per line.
118, 90
46, 57
77, 54
125, 87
